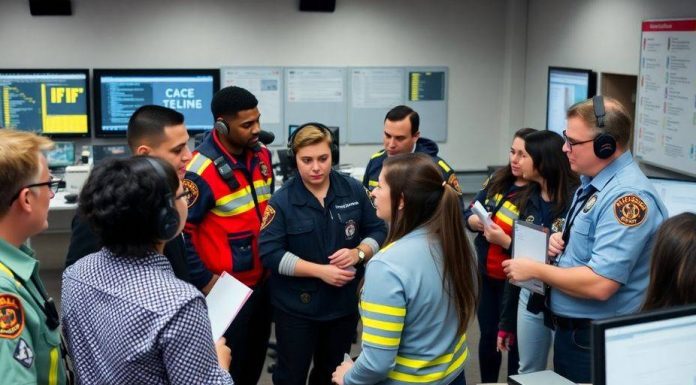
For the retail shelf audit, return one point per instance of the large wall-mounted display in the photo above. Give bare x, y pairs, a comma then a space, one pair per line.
53, 102
119, 92
665, 126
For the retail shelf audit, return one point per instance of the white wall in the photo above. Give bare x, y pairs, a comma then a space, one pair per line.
602, 35
468, 36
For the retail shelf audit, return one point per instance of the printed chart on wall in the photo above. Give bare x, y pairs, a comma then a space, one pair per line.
665, 127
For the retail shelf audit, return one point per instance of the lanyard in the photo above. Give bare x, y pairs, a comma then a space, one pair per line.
579, 203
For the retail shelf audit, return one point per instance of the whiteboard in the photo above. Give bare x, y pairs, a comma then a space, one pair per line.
665, 126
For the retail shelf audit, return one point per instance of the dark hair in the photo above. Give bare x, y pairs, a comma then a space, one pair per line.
673, 266
617, 120
502, 180
430, 203
148, 122
546, 150
400, 113
121, 201
230, 100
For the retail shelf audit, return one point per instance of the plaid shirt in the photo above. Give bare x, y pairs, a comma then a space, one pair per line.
131, 321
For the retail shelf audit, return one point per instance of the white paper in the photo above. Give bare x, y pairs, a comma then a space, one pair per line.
224, 300
265, 84
530, 242
481, 213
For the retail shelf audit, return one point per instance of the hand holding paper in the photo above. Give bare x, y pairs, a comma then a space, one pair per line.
481, 213
224, 301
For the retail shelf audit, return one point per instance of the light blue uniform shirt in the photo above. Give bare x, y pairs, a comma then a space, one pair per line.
612, 235
409, 322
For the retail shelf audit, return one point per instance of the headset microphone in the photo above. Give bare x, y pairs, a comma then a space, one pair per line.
266, 137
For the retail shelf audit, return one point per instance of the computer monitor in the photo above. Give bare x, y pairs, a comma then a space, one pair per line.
334, 130
654, 347
101, 152
62, 155
52, 102
677, 195
119, 92
565, 87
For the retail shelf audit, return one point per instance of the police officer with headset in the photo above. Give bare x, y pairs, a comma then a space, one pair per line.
601, 266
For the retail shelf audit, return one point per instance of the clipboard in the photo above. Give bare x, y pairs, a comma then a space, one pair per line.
530, 241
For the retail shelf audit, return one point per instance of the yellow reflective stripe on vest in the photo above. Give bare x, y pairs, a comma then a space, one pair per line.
373, 183
444, 166
53, 371
382, 325
377, 154
379, 340
420, 364
198, 164
430, 377
263, 190
235, 203
383, 309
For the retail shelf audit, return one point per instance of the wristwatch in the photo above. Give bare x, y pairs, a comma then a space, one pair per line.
361, 255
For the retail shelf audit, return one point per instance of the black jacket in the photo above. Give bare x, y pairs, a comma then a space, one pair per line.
83, 242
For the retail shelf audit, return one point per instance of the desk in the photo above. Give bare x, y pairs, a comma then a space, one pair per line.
51, 245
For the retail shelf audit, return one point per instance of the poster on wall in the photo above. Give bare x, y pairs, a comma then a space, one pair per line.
665, 126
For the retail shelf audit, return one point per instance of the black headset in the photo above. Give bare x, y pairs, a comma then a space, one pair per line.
167, 216
333, 146
604, 144
221, 127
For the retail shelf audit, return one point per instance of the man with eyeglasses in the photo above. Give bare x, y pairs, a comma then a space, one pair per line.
30, 341
155, 131
601, 259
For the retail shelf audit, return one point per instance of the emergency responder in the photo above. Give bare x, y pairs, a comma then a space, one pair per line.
230, 181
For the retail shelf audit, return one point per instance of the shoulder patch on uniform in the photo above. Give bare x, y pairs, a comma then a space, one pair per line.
485, 182
11, 316
454, 182
630, 210
193, 192
268, 216
23, 354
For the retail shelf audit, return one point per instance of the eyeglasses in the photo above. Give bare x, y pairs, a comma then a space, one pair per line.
53, 186
570, 142
186, 194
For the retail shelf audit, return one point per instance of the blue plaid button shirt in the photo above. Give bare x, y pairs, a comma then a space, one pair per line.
131, 321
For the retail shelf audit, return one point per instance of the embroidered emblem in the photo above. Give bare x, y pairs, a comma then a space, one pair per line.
264, 169
268, 216
23, 354
530, 219
11, 316
351, 228
557, 225
590, 203
630, 210
305, 298
454, 182
370, 198
485, 182
193, 192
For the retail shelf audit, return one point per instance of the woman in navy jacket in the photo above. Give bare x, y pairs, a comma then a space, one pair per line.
317, 232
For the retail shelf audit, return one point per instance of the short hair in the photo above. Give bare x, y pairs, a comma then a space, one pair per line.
231, 100
310, 135
617, 121
19, 162
148, 122
673, 265
402, 112
121, 201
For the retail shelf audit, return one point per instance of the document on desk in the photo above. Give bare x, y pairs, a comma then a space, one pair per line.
224, 300
530, 241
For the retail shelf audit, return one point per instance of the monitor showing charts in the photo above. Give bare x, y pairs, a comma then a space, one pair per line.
52, 102
565, 87
679, 196
62, 155
648, 348
119, 92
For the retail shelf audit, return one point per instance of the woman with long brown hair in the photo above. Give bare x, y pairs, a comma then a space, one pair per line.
420, 290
